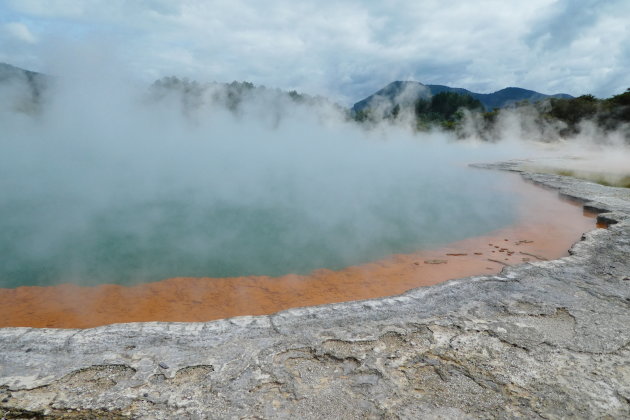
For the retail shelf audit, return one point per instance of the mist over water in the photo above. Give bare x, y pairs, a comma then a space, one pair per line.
107, 185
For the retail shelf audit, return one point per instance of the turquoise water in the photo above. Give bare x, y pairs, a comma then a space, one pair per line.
60, 237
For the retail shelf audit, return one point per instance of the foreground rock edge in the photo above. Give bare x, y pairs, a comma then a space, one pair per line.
542, 340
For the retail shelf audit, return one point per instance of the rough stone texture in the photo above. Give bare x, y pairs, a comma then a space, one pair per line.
542, 340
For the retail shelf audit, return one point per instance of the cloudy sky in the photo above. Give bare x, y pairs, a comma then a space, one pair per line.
344, 49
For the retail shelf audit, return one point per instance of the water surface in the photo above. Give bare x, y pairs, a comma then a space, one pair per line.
58, 236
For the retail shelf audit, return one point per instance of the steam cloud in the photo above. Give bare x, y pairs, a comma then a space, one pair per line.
111, 183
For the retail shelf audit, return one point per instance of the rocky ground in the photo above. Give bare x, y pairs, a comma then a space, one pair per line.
547, 339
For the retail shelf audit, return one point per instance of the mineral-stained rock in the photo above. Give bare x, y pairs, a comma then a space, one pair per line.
546, 339
435, 261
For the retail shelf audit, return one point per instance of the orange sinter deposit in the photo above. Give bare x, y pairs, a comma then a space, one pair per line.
546, 230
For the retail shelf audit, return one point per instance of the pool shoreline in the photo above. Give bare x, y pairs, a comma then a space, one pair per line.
545, 229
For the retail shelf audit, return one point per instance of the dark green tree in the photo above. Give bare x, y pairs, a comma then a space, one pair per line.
447, 104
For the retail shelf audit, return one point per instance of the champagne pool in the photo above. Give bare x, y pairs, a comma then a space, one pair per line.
290, 224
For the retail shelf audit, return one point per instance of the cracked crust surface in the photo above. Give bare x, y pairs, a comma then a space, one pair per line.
547, 339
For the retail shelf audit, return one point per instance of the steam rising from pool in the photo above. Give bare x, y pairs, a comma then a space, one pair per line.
106, 185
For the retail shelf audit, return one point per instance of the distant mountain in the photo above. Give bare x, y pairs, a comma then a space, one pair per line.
403, 93
408, 92
8, 72
34, 82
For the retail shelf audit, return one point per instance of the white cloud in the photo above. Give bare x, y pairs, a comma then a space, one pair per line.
19, 32
349, 48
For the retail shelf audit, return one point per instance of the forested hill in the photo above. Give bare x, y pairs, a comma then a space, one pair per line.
408, 92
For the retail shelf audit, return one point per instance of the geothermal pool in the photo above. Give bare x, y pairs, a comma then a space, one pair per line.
56, 238
544, 227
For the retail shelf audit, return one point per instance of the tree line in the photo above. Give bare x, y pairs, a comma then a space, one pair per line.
448, 110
